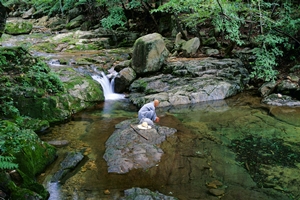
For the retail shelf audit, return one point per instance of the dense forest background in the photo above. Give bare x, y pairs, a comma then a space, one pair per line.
270, 28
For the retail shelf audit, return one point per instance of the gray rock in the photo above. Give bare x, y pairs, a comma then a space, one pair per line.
145, 194
29, 13
58, 143
280, 100
124, 79
122, 65
211, 52
267, 88
191, 46
130, 147
68, 164
149, 53
191, 81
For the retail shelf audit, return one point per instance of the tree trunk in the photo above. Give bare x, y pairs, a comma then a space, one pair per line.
3, 16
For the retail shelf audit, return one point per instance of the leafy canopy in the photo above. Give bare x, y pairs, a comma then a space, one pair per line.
273, 24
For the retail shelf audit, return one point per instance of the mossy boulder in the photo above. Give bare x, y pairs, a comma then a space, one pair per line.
32, 89
17, 191
32, 157
35, 157
18, 27
149, 54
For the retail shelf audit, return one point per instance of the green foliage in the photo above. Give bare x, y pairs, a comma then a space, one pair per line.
13, 138
23, 74
6, 162
3, 55
70, 4
274, 37
276, 22
230, 21
224, 16
182, 6
266, 54
39, 77
116, 18
134, 4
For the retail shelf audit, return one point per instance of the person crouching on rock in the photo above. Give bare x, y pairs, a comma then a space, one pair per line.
147, 113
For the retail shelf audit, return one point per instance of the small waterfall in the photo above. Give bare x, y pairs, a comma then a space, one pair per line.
108, 86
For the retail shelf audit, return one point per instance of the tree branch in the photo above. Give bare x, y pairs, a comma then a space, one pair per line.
221, 8
286, 34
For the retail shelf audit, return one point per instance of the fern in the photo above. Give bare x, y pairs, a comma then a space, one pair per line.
6, 162
116, 18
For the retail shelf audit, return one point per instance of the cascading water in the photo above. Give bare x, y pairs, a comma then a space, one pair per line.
108, 86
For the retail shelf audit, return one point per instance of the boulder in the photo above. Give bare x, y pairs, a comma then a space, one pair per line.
131, 148
122, 65
80, 91
191, 46
18, 27
284, 92
76, 22
124, 79
28, 13
149, 54
32, 157
280, 100
267, 88
191, 81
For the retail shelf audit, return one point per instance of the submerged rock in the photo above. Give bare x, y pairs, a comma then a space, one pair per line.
58, 143
68, 164
139, 193
130, 147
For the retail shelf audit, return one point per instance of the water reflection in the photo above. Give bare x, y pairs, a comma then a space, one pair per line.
200, 153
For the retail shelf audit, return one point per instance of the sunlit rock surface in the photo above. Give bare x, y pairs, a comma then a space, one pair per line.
192, 81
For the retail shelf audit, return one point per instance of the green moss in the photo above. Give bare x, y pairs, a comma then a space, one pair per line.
41, 108
139, 85
24, 193
27, 189
32, 187
18, 28
47, 47
34, 158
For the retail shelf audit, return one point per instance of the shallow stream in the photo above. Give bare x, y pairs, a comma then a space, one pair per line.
235, 141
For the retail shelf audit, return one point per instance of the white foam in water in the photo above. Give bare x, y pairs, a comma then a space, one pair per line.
108, 87
54, 189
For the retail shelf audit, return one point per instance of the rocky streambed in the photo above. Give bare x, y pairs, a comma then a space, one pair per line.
229, 149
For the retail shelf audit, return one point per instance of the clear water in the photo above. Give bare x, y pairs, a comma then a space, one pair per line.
236, 141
